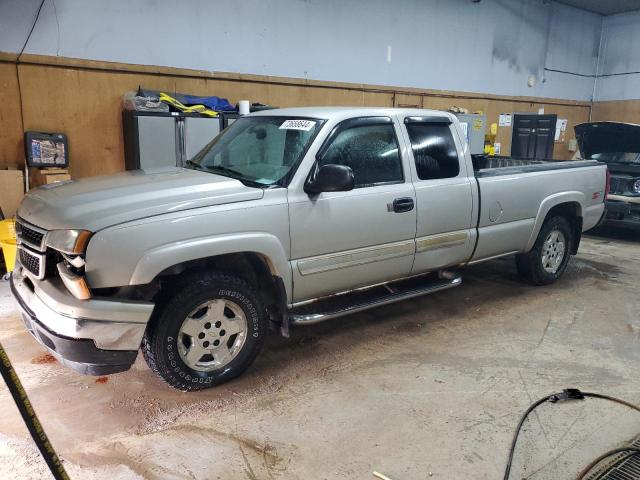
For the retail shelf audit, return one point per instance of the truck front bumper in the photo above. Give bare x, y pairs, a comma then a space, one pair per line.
622, 214
93, 337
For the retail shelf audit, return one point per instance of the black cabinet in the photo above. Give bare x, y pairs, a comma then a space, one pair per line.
533, 136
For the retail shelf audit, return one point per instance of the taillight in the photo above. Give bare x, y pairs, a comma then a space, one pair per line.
607, 187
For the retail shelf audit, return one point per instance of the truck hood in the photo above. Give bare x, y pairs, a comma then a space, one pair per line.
607, 137
99, 202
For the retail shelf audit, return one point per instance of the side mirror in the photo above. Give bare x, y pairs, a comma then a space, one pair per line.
330, 178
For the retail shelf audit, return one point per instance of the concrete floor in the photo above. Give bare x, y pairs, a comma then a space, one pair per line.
429, 388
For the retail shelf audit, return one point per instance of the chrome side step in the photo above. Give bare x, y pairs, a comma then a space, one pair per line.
340, 305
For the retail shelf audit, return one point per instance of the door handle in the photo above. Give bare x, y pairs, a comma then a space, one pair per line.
399, 205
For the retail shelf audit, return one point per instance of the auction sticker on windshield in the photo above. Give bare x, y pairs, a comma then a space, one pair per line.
305, 125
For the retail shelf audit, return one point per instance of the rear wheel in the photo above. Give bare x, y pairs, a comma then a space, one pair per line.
548, 259
207, 333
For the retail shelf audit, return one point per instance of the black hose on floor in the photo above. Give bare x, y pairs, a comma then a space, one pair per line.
30, 419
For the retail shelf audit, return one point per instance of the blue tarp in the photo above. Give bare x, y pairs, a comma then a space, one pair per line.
214, 103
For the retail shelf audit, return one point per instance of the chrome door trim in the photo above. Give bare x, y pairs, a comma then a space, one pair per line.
352, 258
441, 240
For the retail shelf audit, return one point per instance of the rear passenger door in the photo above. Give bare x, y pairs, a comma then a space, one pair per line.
345, 240
445, 231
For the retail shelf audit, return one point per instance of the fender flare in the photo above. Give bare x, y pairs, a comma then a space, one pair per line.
164, 256
547, 204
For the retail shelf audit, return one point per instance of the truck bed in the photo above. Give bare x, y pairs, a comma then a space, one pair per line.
484, 166
512, 195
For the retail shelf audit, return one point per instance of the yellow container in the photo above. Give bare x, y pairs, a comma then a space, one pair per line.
8, 243
9, 250
7, 230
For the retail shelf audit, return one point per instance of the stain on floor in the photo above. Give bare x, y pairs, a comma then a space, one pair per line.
43, 359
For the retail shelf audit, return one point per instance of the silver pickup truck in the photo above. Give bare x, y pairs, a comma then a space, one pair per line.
288, 217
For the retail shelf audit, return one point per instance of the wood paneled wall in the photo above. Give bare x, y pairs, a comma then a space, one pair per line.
84, 100
11, 146
617, 111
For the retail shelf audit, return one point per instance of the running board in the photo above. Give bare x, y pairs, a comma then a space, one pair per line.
359, 300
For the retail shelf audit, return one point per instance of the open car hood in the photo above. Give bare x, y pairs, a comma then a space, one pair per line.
607, 137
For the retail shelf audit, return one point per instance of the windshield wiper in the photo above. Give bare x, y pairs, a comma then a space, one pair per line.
220, 168
231, 173
194, 165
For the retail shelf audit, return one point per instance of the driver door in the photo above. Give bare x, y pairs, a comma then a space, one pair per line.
345, 240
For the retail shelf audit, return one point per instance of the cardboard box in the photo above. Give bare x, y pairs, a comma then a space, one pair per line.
46, 176
54, 171
56, 178
11, 191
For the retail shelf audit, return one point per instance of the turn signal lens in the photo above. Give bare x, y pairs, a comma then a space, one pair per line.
76, 284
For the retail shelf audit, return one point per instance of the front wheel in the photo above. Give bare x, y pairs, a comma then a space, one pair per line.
206, 334
548, 259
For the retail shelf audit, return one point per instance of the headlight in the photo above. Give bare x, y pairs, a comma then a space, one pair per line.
635, 186
72, 242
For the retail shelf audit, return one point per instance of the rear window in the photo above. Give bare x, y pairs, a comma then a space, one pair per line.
434, 150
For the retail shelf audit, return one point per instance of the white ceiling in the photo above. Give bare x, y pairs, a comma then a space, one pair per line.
604, 7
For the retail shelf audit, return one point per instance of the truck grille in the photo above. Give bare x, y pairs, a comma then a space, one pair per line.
30, 235
31, 247
32, 261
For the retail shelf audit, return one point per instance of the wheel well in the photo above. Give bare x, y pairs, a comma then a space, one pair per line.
253, 267
572, 211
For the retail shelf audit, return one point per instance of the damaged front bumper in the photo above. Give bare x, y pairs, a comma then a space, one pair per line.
93, 337
622, 214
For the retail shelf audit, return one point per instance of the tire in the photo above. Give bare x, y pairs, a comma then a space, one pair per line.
548, 259
180, 346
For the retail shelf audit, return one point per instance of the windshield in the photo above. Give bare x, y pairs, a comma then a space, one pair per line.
617, 157
259, 150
